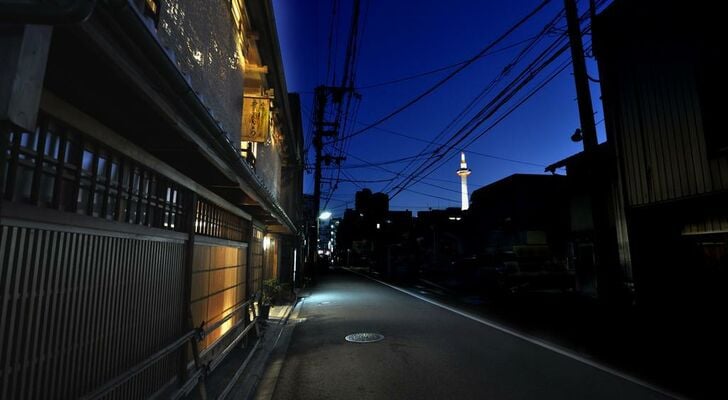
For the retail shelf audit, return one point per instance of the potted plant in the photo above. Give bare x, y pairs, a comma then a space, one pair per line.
269, 294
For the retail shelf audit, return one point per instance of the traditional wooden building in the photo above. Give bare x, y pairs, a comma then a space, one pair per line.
150, 179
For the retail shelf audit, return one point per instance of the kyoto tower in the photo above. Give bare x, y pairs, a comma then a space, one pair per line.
463, 172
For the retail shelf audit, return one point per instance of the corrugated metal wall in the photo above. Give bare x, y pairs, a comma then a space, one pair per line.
717, 224
622, 231
79, 309
661, 138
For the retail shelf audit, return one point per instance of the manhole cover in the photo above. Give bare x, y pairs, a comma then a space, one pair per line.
364, 337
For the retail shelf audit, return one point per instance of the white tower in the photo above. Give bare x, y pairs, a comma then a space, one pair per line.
463, 172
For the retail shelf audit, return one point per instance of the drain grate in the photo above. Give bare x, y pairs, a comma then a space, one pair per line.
364, 337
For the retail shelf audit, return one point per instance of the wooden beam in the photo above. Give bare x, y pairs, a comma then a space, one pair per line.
22, 70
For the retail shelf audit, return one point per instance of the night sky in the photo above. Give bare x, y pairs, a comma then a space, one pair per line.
408, 37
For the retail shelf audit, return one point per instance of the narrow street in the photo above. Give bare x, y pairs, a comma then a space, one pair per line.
428, 352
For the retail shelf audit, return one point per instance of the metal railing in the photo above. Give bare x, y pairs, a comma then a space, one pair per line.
192, 337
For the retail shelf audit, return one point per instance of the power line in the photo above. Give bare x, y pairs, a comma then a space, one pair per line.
533, 92
331, 46
494, 105
395, 161
441, 187
396, 174
523, 78
431, 195
363, 181
440, 69
452, 74
342, 101
531, 73
533, 70
506, 70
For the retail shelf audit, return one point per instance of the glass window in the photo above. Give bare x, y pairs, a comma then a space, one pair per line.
114, 175
87, 161
82, 199
52, 145
23, 182
72, 150
101, 168
47, 183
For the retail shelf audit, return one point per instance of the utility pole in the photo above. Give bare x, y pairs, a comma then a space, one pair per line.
597, 176
321, 96
318, 144
583, 94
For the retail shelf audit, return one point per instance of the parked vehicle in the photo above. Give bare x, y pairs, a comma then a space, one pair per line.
522, 260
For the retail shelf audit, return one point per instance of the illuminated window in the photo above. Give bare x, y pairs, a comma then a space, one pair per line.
249, 151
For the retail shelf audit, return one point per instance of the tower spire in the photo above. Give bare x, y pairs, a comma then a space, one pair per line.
463, 172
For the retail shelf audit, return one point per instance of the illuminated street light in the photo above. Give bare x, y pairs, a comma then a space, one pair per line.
325, 215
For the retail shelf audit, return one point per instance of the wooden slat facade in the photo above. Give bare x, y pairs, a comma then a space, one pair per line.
73, 310
92, 266
120, 210
218, 286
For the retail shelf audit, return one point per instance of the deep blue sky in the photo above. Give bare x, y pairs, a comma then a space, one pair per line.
406, 37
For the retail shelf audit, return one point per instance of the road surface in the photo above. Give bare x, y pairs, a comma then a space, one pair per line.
428, 352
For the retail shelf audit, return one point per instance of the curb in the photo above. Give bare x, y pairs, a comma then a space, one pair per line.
266, 385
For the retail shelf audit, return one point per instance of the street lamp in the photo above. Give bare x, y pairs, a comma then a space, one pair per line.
325, 215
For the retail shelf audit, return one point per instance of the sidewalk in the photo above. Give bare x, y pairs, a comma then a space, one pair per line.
238, 376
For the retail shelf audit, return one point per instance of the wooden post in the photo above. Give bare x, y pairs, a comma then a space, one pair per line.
187, 295
25, 53
4, 146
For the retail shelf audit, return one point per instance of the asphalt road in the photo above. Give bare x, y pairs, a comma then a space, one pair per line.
428, 353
